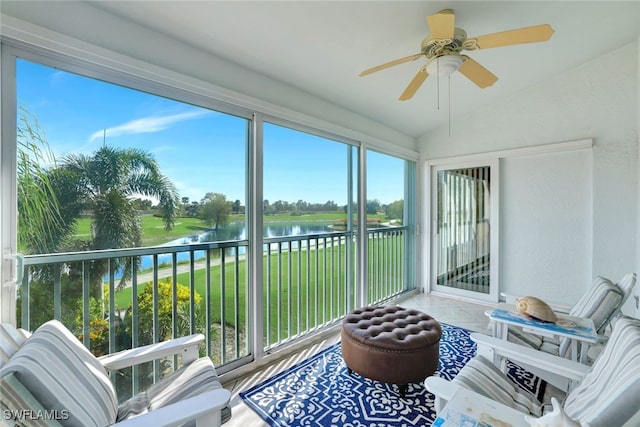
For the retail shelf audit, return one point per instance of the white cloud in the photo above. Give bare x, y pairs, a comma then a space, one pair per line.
161, 148
146, 125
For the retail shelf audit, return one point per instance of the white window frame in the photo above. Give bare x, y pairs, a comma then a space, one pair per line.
8, 189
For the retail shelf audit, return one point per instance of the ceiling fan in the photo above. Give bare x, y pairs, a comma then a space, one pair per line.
443, 50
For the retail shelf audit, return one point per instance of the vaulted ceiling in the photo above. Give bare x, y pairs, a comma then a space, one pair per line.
320, 47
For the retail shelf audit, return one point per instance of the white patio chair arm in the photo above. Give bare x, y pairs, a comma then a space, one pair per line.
204, 408
442, 389
490, 346
186, 346
559, 308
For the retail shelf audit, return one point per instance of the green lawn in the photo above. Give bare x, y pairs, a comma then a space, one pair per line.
153, 232
292, 295
302, 289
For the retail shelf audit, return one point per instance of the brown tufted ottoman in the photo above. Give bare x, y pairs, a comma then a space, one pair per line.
391, 344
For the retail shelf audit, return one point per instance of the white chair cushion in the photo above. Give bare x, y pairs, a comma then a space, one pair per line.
62, 375
599, 302
546, 344
482, 377
10, 341
610, 393
626, 285
15, 395
196, 378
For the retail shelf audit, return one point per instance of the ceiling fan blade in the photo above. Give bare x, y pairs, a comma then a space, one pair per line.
442, 24
414, 84
477, 73
537, 33
391, 64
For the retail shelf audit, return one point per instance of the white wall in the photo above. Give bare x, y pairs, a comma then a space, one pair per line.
597, 100
545, 224
631, 305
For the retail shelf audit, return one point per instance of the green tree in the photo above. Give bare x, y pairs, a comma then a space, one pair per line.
215, 210
301, 205
373, 206
185, 205
143, 205
395, 210
192, 209
330, 206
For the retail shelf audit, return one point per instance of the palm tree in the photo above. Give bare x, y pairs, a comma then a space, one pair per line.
107, 184
52, 195
110, 181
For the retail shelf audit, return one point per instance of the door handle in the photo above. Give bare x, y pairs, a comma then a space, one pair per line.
19, 271
637, 298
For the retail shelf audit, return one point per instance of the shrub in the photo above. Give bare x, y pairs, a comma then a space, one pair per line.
165, 312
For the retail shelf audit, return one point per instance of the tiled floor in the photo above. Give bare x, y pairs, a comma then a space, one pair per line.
454, 312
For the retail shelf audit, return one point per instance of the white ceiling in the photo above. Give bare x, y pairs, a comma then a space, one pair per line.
321, 46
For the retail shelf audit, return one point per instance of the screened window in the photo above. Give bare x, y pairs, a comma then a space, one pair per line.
147, 197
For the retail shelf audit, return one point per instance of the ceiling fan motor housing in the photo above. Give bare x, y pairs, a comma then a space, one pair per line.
432, 47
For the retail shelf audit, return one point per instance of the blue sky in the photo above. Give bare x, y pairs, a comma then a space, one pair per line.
200, 150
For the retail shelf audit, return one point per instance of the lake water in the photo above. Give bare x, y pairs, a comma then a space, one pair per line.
237, 231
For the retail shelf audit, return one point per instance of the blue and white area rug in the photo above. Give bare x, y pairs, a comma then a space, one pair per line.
320, 392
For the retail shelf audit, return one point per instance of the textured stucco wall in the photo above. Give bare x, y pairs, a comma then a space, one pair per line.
545, 224
631, 306
597, 100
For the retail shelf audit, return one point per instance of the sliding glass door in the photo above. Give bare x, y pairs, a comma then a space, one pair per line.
463, 227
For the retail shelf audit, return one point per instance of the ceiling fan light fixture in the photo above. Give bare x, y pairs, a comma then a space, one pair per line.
443, 50
444, 65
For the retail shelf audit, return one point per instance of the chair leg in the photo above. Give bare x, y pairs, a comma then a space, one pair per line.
438, 404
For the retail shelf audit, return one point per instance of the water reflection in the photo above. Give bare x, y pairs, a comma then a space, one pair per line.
236, 231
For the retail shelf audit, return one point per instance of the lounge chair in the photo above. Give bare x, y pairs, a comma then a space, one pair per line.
51, 374
600, 303
604, 394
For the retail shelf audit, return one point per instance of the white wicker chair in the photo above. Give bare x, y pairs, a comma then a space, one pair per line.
51, 372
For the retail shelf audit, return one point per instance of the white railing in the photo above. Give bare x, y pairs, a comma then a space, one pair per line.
119, 299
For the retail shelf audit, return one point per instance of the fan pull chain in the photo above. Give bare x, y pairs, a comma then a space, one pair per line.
438, 81
449, 104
